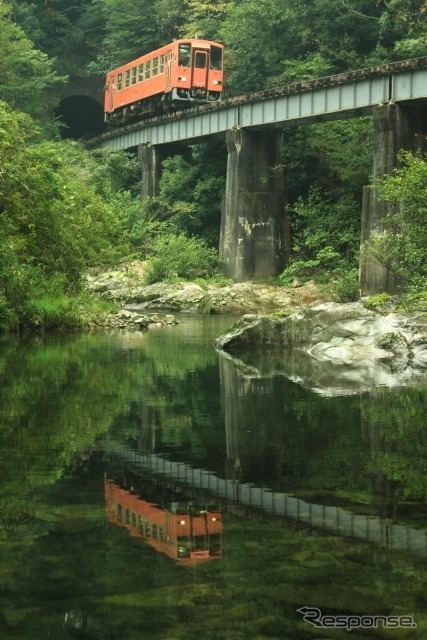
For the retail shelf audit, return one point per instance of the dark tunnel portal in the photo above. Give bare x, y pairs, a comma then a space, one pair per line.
81, 117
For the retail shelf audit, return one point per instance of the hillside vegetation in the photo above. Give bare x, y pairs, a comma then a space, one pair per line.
64, 210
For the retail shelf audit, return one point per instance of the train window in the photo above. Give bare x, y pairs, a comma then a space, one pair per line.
127, 516
161, 64
127, 78
154, 531
161, 536
140, 72
199, 542
184, 55
147, 69
140, 524
119, 512
147, 528
214, 544
216, 58
119, 82
184, 549
155, 66
133, 75
200, 60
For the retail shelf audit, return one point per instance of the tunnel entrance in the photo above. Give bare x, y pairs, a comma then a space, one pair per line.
81, 117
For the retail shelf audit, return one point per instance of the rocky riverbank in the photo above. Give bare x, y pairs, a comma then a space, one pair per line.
329, 347
125, 287
132, 320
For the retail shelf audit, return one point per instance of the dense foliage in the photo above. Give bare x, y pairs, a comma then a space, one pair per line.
61, 211
55, 221
402, 245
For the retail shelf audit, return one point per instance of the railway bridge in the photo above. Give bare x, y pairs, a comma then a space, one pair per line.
254, 241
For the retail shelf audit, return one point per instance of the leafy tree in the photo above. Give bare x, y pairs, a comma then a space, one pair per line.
67, 31
26, 73
202, 19
402, 246
54, 222
191, 190
270, 43
130, 31
325, 188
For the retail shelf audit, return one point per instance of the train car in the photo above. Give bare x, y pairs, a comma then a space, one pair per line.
181, 73
187, 532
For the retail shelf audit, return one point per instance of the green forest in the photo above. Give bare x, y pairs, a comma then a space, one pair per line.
64, 210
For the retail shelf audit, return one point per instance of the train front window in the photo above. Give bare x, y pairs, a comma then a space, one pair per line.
200, 60
216, 58
184, 55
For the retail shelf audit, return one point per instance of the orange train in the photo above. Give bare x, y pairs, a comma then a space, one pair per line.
181, 73
184, 531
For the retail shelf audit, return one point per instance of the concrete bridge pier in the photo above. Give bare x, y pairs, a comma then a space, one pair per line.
396, 127
254, 240
150, 159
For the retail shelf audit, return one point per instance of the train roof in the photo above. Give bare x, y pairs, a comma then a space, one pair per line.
198, 42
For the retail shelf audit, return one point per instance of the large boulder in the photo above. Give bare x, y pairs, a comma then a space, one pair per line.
328, 331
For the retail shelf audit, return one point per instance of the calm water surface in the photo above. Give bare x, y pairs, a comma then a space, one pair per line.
152, 488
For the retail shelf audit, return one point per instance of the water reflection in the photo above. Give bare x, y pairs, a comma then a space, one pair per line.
321, 496
187, 531
337, 520
327, 378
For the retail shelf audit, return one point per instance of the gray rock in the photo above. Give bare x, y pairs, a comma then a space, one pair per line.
340, 333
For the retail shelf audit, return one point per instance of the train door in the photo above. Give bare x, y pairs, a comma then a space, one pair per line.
199, 69
169, 71
109, 95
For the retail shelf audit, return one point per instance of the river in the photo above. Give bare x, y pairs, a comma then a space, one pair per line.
153, 488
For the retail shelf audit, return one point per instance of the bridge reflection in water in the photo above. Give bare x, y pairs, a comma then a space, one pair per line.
330, 518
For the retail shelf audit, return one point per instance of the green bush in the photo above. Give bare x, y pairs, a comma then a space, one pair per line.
326, 260
180, 256
53, 311
347, 287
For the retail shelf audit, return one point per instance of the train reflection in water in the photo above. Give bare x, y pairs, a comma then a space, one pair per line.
187, 531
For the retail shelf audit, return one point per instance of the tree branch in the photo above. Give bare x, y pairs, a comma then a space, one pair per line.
358, 13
